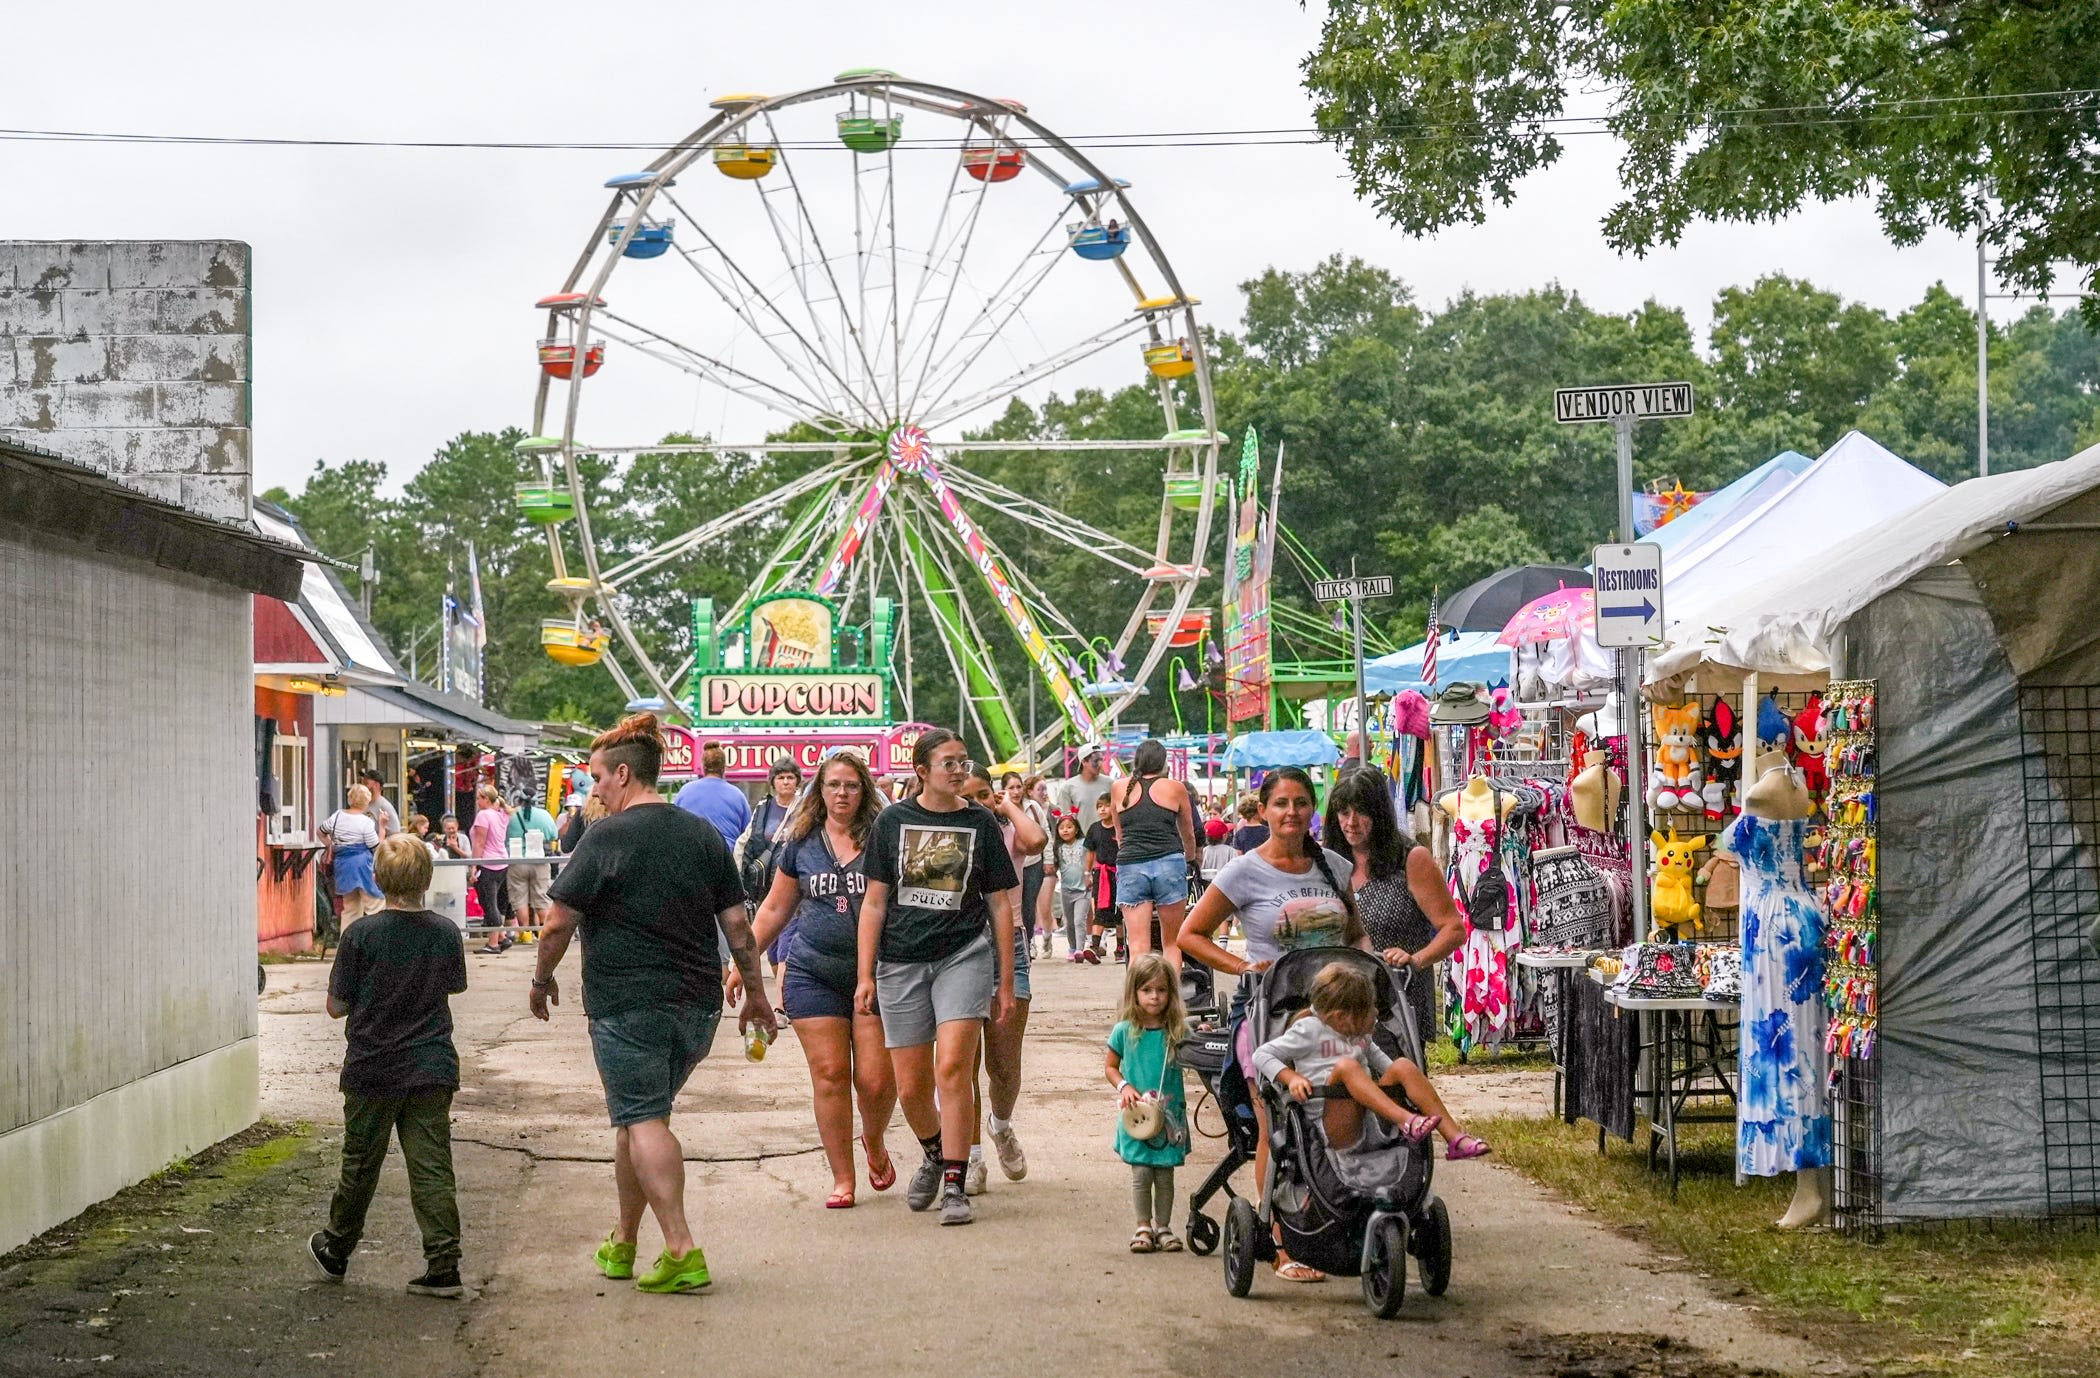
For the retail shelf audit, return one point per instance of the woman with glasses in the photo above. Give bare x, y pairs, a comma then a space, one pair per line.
815, 898
936, 949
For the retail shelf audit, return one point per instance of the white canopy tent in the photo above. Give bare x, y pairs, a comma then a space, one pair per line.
1786, 624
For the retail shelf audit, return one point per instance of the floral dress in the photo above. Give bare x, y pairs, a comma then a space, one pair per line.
1782, 1121
1477, 1009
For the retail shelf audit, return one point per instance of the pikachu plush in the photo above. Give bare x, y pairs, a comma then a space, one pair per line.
1672, 904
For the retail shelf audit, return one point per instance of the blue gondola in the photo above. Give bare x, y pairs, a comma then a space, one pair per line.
650, 241
1096, 242
1087, 185
627, 181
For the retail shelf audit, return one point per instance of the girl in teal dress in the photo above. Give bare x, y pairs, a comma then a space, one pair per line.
1151, 1027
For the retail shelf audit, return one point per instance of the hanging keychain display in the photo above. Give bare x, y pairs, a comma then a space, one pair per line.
1849, 872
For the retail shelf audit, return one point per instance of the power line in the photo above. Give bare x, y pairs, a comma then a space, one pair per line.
2059, 102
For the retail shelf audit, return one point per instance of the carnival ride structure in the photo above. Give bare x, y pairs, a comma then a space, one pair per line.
800, 266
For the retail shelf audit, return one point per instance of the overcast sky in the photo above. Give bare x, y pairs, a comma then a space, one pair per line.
393, 288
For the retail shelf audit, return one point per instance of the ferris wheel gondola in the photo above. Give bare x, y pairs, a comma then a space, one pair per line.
881, 323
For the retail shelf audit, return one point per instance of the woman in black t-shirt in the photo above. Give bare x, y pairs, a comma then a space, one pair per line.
938, 878
815, 898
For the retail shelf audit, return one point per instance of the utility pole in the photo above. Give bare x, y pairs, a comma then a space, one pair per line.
367, 577
1983, 366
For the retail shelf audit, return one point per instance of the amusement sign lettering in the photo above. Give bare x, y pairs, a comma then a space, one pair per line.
789, 700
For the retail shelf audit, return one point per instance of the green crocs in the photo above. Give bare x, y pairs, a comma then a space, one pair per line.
676, 1273
615, 1260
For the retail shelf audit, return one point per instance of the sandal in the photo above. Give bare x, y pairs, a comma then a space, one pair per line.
1291, 1270
1142, 1242
1420, 1127
1165, 1238
1466, 1146
887, 1177
839, 1200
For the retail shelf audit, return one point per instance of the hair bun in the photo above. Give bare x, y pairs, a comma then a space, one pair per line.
636, 725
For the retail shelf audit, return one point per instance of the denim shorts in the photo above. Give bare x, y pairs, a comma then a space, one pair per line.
1020, 964
645, 1055
1162, 880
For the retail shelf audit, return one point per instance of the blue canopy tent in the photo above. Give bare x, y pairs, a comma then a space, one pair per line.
1475, 656
1267, 750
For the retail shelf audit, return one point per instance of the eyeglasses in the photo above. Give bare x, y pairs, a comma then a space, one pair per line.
960, 765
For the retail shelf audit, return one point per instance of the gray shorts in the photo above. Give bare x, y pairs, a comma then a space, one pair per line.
916, 998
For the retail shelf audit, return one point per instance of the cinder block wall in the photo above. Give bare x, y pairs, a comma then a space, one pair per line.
132, 357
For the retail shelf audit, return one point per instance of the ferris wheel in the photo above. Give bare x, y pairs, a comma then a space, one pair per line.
876, 269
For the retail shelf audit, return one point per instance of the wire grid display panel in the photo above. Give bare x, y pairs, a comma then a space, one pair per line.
1721, 925
1856, 1158
2060, 728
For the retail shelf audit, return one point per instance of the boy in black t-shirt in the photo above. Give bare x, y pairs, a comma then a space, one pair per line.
392, 977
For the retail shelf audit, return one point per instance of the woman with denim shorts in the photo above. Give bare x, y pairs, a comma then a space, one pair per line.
1155, 852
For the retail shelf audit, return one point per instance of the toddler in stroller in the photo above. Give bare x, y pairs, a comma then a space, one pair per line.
1347, 1193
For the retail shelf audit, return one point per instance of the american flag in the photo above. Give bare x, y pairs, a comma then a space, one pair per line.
1429, 646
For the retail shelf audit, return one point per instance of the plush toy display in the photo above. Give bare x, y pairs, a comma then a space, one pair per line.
1724, 761
1807, 745
1674, 782
1672, 904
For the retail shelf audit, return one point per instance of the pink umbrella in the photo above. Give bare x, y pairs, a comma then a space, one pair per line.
1554, 617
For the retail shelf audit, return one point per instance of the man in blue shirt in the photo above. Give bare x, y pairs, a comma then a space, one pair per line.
713, 798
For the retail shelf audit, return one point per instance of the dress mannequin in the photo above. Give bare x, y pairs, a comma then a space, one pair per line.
1594, 794
1476, 803
1782, 1119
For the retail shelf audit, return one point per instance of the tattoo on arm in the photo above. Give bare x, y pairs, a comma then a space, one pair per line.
743, 947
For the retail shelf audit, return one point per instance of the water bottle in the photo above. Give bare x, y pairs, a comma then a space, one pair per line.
755, 1040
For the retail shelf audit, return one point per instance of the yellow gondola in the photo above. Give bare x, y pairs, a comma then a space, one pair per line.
566, 643
745, 162
1175, 360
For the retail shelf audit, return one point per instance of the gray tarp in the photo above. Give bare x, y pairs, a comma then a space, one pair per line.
1959, 1118
1971, 822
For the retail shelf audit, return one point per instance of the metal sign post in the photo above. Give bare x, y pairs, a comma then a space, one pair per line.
1622, 405
1353, 591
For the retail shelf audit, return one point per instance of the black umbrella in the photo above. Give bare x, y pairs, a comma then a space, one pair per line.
1486, 605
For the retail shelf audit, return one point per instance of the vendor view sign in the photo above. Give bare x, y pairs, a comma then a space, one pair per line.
1629, 590
1630, 402
792, 700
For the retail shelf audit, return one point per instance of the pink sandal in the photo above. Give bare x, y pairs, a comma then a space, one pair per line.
1422, 1126
1466, 1146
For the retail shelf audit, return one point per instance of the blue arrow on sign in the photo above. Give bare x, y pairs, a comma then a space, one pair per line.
1645, 611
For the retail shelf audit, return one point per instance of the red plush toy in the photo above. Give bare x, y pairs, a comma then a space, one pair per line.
1805, 746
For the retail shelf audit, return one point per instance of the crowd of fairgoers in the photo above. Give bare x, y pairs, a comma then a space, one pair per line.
900, 927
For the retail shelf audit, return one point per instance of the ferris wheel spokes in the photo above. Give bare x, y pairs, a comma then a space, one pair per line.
849, 328
998, 309
739, 306
665, 551
959, 247
725, 375
1070, 530
939, 411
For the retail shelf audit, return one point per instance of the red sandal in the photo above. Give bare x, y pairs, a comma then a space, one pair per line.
887, 1177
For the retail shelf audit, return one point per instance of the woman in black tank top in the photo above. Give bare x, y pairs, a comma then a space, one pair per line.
1156, 852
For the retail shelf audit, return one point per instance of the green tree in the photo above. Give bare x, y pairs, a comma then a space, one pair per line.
1968, 114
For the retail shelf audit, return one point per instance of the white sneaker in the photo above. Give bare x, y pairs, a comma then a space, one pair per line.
1012, 1161
973, 1178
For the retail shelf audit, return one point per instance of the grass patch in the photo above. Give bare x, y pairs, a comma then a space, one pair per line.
1965, 1301
1443, 1057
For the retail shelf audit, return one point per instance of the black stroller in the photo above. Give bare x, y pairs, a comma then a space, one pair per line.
1355, 1213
